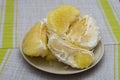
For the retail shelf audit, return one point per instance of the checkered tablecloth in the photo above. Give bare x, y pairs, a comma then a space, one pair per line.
17, 16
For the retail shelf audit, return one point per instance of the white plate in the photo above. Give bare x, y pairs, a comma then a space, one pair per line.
58, 67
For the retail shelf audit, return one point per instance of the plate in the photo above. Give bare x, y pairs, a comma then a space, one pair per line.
58, 67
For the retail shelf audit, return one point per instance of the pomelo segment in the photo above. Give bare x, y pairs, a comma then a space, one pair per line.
69, 53
84, 32
34, 43
59, 19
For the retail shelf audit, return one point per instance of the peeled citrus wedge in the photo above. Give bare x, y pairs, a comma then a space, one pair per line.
84, 32
77, 30
69, 53
34, 43
59, 19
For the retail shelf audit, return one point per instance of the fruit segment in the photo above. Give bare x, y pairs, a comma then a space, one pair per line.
59, 19
34, 43
84, 32
69, 53
77, 30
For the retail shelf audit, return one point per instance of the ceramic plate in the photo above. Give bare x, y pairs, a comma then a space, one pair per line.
58, 67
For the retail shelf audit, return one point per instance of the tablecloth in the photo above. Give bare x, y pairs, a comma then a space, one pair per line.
17, 16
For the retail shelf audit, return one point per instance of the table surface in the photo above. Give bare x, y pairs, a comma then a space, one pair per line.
17, 16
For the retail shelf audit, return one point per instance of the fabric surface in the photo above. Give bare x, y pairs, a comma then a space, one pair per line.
17, 16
